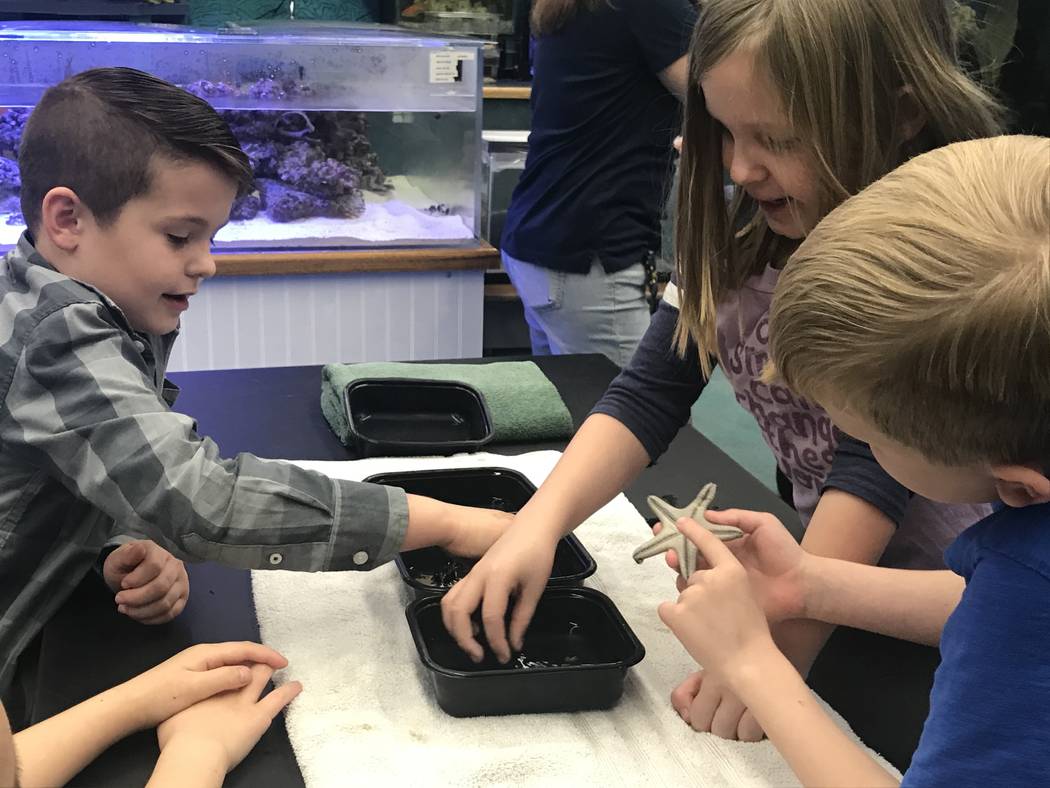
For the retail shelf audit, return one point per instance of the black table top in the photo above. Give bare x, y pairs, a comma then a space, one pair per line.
275, 413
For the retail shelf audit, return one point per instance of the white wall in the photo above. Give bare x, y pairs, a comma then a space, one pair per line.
268, 321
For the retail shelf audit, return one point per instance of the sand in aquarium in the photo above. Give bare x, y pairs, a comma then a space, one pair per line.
388, 218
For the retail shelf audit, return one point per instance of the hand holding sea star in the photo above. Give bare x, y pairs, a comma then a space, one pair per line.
670, 538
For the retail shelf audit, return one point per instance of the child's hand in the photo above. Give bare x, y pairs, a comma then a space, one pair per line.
716, 618
518, 565
707, 705
151, 585
472, 531
774, 561
221, 730
192, 675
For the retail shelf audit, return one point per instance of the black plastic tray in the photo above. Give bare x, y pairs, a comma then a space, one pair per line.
404, 416
431, 570
575, 656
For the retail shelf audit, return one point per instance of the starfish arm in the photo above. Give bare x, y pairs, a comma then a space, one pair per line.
687, 562
657, 545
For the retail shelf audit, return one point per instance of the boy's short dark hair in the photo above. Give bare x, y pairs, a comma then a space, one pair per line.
97, 133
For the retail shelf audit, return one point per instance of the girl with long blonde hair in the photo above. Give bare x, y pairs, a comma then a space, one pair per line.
805, 102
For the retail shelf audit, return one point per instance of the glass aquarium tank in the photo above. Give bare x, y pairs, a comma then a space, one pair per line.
467, 17
504, 23
361, 137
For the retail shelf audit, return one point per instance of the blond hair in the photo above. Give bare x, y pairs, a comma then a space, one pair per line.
922, 305
841, 67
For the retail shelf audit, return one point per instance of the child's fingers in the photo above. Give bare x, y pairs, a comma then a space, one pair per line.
148, 570
748, 728
524, 608
261, 675
667, 614
494, 621
126, 557
224, 679
671, 557
154, 590
743, 519
214, 655
682, 696
712, 549
270, 705
672, 561
164, 609
456, 610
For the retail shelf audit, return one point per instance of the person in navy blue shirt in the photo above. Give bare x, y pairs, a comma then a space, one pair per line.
916, 314
608, 78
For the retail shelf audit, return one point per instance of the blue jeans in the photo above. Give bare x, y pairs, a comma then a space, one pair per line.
594, 312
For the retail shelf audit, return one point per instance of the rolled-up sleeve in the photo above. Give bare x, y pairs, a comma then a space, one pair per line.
855, 470
81, 406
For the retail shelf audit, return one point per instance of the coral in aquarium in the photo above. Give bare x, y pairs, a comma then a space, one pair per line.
307, 163
10, 186
9, 182
12, 121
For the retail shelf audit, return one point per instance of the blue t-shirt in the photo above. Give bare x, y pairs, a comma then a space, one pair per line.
989, 722
600, 151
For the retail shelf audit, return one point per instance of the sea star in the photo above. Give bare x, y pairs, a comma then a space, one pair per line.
670, 538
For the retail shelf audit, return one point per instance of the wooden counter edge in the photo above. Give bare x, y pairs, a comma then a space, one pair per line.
519, 92
477, 258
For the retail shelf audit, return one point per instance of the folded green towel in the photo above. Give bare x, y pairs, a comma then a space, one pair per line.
523, 403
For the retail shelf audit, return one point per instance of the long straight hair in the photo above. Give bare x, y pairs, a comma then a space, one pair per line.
549, 16
840, 68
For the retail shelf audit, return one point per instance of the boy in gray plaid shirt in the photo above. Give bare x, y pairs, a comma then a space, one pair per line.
125, 181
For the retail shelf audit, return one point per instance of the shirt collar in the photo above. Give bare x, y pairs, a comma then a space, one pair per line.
27, 253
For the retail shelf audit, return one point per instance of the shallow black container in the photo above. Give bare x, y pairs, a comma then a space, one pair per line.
431, 570
575, 656
405, 416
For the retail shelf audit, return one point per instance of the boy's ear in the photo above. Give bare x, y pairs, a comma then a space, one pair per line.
62, 218
910, 116
1022, 485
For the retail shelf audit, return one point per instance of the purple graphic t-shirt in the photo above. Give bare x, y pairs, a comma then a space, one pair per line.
800, 434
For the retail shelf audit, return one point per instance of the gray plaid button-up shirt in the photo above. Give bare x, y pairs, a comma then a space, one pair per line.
89, 450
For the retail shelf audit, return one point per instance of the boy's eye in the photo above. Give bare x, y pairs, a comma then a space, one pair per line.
177, 240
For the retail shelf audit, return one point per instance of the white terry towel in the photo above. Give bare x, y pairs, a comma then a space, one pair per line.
367, 714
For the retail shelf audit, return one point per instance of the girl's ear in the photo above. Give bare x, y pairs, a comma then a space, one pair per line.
911, 118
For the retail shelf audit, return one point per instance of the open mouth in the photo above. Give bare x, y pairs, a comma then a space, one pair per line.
770, 206
182, 301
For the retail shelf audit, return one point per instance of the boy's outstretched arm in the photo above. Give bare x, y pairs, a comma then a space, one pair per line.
790, 583
53, 751
83, 406
722, 626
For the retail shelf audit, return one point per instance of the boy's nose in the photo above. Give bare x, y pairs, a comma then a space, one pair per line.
203, 266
